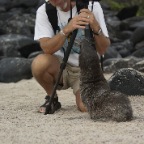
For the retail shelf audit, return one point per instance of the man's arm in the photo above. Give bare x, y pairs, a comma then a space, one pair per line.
51, 45
102, 42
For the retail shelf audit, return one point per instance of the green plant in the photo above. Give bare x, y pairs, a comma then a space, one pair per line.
119, 4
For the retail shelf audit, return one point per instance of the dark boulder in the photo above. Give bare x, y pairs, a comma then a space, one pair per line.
111, 53
13, 45
112, 65
138, 53
127, 12
15, 69
127, 81
138, 35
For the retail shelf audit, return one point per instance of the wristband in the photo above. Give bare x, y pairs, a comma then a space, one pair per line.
62, 33
98, 33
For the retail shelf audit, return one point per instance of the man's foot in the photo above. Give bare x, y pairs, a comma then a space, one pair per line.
55, 104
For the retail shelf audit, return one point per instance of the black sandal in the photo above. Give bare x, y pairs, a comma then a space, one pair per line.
54, 106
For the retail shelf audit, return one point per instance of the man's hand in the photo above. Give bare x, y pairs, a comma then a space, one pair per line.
90, 18
86, 17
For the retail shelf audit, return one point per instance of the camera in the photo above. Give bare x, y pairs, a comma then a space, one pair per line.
84, 3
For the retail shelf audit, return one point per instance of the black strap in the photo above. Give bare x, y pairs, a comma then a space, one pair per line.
78, 6
51, 12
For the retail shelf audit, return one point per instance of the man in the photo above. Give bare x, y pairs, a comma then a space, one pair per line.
45, 67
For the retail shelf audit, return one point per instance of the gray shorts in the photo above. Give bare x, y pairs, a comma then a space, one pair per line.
70, 77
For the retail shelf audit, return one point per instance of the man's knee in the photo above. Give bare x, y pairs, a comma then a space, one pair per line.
37, 65
45, 63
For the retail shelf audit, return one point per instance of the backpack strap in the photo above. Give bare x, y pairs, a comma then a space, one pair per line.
51, 12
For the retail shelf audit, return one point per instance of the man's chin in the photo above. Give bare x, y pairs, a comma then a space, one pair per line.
62, 6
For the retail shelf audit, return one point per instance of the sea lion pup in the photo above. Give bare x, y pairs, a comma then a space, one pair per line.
101, 102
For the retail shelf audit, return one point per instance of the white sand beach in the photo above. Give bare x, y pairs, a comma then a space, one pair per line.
20, 123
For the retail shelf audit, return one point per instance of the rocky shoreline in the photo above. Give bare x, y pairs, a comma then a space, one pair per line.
17, 47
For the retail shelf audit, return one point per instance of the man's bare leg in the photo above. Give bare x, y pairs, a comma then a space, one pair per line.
45, 69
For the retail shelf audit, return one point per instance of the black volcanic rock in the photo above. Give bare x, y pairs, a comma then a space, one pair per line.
127, 81
15, 69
